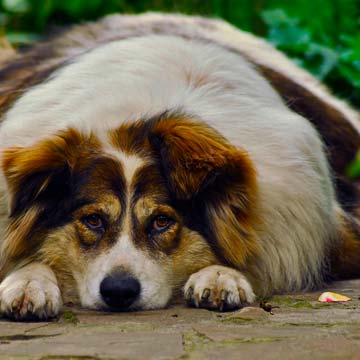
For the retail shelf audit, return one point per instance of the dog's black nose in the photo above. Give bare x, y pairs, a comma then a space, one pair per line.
119, 290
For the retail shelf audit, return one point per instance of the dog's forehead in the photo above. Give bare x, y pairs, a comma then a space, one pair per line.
129, 163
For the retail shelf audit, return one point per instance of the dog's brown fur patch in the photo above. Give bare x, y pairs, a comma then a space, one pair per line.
46, 156
198, 162
42, 173
345, 257
18, 242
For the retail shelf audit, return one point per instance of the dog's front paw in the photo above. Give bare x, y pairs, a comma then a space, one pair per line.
218, 288
30, 293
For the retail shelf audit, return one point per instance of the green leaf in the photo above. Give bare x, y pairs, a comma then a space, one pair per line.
351, 72
290, 36
285, 32
3, 19
16, 6
322, 59
21, 38
79, 8
353, 170
349, 55
277, 17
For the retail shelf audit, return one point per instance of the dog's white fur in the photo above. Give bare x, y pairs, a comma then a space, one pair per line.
222, 283
33, 289
155, 287
138, 78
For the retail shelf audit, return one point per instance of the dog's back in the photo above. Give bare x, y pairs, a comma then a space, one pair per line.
338, 123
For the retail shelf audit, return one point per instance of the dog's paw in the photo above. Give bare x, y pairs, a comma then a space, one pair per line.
218, 288
30, 293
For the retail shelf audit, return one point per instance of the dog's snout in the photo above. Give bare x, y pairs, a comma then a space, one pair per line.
119, 291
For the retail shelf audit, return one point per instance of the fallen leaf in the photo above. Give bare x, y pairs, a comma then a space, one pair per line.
328, 297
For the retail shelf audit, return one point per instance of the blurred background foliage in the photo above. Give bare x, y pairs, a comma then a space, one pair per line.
321, 35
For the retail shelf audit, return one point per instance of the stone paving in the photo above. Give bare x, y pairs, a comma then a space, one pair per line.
300, 328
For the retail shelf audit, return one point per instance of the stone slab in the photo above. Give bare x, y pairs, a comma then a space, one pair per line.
299, 328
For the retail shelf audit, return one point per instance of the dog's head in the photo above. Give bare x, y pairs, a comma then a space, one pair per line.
124, 222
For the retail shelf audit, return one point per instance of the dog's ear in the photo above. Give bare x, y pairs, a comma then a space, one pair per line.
38, 178
42, 171
196, 158
202, 167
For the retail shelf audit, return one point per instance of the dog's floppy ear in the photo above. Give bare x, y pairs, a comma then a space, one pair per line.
201, 166
195, 157
38, 178
42, 170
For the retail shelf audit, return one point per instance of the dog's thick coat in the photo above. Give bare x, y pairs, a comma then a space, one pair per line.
155, 151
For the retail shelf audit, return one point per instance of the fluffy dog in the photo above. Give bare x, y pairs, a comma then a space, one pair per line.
146, 155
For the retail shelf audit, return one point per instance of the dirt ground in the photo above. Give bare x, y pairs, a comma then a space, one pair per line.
299, 328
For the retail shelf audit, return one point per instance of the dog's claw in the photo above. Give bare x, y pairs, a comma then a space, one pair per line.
189, 294
30, 307
14, 305
205, 295
223, 295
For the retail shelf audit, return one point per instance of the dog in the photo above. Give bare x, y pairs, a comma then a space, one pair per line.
144, 157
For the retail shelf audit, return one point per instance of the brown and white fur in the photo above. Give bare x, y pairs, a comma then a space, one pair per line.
169, 154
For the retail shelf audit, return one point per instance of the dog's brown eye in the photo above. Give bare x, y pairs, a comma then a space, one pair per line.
161, 222
94, 222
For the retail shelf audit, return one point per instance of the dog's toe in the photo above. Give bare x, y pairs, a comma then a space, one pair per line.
218, 288
30, 299
23, 297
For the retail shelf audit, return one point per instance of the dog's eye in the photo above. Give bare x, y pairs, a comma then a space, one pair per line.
161, 222
94, 222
